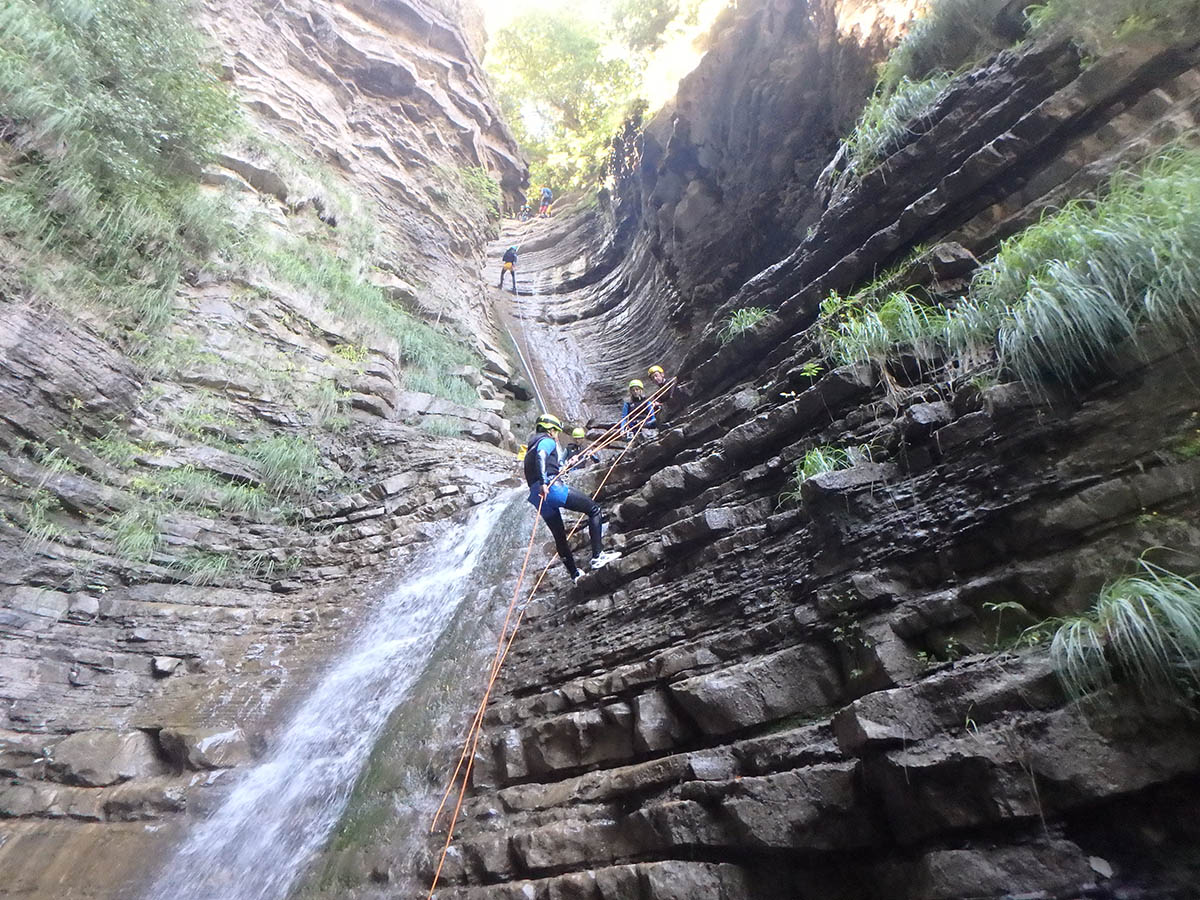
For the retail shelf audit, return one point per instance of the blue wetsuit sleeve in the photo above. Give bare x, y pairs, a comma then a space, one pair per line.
625, 416
540, 448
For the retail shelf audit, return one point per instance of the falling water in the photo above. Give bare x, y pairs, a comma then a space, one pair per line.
281, 812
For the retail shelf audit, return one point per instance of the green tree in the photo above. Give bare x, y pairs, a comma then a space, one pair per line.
564, 89
641, 23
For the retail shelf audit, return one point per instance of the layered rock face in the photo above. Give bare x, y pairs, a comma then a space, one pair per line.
809, 696
132, 677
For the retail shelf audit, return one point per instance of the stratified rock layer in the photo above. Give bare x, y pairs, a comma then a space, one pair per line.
806, 696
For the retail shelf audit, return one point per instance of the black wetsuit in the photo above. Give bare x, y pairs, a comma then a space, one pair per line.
541, 465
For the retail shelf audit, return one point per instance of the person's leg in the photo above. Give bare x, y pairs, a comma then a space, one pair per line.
501, 276
578, 501
554, 522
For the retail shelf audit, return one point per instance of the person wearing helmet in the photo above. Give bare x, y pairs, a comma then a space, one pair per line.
636, 410
575, 447
547, 199
509, 264
541, 470
659, 377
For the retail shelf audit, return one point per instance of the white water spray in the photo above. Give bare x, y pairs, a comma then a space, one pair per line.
281, 812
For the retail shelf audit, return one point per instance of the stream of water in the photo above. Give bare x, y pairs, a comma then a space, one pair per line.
280, 813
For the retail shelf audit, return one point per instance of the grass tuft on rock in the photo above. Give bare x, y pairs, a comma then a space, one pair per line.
110, 105
740, 321
1143, 628
1062, 296
887, 119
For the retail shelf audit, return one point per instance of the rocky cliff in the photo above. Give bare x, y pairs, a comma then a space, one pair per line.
782, 692
188, 524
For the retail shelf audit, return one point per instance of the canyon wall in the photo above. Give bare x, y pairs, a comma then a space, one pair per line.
817, 692
133, 678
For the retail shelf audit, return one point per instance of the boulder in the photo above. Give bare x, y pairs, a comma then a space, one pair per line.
205, 748
800, 680
99, 758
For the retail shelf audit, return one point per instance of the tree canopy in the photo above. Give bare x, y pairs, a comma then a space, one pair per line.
568, 74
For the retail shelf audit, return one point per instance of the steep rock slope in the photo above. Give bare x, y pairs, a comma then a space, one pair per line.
807, 696
167, 586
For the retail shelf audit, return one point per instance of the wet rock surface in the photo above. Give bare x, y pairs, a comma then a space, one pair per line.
133, 677
817, 695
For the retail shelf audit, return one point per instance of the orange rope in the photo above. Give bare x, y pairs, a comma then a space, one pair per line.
471, 745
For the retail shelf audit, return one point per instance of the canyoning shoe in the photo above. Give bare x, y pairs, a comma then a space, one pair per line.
599, 562
578, 577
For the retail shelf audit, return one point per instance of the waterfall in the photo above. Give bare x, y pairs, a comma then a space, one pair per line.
281, 812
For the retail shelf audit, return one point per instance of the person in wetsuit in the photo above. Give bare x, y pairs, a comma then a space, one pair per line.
509, 264
636, 410
541, 468
575, 448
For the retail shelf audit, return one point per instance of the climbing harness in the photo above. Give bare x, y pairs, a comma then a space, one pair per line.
466, 759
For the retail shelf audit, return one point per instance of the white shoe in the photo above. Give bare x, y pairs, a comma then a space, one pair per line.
599, 562
578, 577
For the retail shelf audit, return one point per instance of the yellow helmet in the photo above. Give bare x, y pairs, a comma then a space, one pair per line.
547, 422
655, 370
636, 383
578, 433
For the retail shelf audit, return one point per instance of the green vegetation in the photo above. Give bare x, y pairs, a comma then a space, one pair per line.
483, 188
1062, 295
887, 119
1100, 25
562, 94
816, 462
204, 567
1144, 628
136, 532
290, 465
36, 511
340, 282
569, 74
451, 387
202, 489
441, 426
952, 34
740, 321
862, 329
110, 101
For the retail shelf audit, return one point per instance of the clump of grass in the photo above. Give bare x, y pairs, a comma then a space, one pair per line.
290, 465
1062, 295
340, 282
950, 35
327, 403
887, 119
854, 332
108, 102
1099, 25
201, 567
114, 448
483, 188
819, 460
39, 527
441, 426
742, 320
1144, 628
199, 488
136, 532
449, 387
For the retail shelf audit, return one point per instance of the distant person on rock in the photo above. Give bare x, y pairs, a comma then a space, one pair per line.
575, 448
541, 468
509, 264
659, 377
525, 213
636, 410
547, 199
